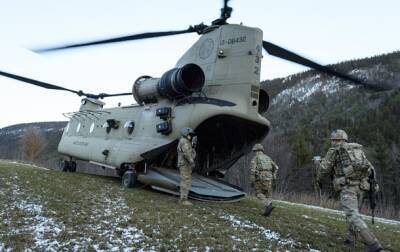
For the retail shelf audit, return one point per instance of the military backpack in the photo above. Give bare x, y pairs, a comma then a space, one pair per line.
354, 163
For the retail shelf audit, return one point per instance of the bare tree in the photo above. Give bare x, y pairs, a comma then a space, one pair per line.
33, 143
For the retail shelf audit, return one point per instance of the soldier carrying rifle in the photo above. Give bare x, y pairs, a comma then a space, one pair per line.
353, 175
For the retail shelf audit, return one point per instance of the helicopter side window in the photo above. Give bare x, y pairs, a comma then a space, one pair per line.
107, 127
111, 124
129, 126
91, 128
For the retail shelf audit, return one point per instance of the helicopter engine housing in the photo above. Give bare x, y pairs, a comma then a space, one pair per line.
173, 84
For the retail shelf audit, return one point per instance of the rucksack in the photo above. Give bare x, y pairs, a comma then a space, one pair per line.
355, 164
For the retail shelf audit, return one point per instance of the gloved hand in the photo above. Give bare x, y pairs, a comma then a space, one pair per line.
194, 142
316, 160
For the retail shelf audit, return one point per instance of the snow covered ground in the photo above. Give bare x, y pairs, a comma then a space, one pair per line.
268, 234
24, 164
45, 231
42, 229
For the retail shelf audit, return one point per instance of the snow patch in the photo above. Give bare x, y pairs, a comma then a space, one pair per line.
266, 233
3, 248
303, 89
44, 230
108, 227
114, 227
337, 212
19, 164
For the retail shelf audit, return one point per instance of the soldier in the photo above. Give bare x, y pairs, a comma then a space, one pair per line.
186, 156
262, 173
350, 168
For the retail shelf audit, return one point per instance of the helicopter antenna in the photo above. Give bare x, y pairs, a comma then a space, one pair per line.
54, 87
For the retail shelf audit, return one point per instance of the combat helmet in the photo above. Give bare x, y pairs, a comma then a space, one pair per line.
339, 135
187, 131
258, 147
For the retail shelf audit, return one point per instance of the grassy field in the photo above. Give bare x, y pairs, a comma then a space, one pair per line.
49, 210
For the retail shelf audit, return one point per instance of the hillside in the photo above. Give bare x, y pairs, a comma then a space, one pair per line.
10, 139
46, 209
306, 107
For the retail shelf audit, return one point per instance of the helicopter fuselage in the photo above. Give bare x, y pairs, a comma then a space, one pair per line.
225, 113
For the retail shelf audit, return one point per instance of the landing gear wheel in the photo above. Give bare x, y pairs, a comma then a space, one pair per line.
64, 165
129, 179
120, 172
72, 166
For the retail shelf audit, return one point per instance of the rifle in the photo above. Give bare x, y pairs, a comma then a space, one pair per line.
317, 184
372, 193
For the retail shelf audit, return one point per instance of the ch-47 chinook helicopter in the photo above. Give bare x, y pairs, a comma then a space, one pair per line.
214, 89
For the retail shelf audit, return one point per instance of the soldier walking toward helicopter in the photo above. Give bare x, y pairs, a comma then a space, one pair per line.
186, 163
351, 169
263, 171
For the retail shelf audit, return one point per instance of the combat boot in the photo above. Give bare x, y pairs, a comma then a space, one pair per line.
186, 203
349, 238
374, 247
268, 210
370, 240
349, 241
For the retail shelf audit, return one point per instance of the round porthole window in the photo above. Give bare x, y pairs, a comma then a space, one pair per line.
129, 126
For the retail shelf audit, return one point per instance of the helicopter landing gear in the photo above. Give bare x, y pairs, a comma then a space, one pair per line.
66, 165
120, 172
72, 166
129, 179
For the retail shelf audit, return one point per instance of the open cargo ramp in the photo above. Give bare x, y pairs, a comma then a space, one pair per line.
203, 188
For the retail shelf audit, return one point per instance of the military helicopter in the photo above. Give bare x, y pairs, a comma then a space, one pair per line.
214, 89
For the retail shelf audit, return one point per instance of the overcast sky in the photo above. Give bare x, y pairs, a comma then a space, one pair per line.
325, 31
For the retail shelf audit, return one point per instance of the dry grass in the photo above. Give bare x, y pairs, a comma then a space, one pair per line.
46, 209
328, 202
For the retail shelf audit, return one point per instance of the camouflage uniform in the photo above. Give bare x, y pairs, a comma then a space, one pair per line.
263, 171
186, 156
342, 160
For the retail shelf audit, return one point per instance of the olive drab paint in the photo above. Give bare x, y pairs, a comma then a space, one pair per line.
230, 58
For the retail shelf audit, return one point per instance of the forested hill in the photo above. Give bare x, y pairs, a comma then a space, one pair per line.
306, 107
11, 139
380, 69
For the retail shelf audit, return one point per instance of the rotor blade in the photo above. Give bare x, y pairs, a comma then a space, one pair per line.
54, 87
37, 83
103, 95
290, 56
120, 39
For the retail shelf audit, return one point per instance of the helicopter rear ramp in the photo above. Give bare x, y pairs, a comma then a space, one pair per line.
203, 188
